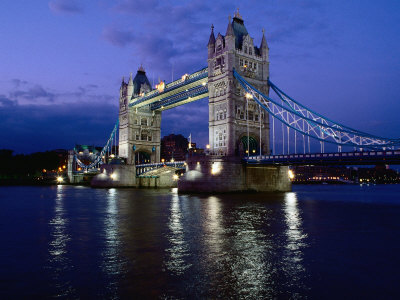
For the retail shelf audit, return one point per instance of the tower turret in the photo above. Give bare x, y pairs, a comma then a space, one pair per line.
264, 47
130, 87
211, 43
230, 36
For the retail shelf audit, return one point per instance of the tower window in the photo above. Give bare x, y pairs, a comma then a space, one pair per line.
250, 51
245, 49
143, 122
219, 49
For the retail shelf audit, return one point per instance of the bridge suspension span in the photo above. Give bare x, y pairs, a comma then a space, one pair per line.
110, 149
311, 124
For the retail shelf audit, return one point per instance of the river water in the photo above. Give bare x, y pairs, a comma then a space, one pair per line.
320, 241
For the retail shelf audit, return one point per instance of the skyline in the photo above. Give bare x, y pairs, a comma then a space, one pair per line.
60, 79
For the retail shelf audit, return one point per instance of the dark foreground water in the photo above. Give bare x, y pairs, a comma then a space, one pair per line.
317, 242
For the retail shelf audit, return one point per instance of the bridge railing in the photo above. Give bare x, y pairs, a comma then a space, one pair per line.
193, 92
144, 168
203, 73
389, 156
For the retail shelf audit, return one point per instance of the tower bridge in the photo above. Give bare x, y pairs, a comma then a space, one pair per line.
243, 125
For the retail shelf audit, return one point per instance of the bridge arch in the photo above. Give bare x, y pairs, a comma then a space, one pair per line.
142, 156
242, 147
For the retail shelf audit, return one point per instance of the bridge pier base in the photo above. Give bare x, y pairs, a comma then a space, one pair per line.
115, 176
224, 174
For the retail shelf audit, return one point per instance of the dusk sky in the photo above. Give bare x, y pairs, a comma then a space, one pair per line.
61, 62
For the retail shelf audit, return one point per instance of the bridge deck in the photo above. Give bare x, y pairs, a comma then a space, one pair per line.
190, 88
342, 158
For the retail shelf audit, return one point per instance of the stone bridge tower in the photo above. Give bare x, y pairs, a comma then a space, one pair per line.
230, 116
139, 129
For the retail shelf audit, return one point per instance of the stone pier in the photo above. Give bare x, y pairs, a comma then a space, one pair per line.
222, 174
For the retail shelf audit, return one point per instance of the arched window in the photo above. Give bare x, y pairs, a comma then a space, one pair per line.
250, 51
245, 49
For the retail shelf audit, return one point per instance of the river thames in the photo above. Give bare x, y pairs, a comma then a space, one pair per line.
319, 241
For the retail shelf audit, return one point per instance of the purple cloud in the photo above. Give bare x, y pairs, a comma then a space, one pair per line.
38, 127
34, 93
65, 6
117, 37
6, 102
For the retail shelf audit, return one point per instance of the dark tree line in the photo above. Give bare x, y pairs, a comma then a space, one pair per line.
29, 166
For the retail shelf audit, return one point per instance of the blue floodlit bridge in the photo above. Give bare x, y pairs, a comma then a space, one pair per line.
305, 125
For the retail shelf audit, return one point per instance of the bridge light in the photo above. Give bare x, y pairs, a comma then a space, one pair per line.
216, 168
175, 177
59, 179
172, 160
204, 83
291, 174
184, 77
160, 87
113, 176
249, 96
208, 146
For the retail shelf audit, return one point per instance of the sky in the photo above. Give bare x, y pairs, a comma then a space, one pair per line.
62, 62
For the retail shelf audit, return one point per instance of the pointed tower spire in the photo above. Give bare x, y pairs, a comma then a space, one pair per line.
130, 79
237, 15
264, 44
211, 41
229, 30
123, 80
130, 87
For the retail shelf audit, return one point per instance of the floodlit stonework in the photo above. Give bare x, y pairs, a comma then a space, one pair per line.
139, 129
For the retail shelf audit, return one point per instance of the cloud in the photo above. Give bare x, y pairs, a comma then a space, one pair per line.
65, 6
27, 93
17, 82
30, 128
35, 93
117, 37
6, 102
135, 6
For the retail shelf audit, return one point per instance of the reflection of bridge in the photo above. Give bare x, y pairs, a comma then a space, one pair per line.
246, 123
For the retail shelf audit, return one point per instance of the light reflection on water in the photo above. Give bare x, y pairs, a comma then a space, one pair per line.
124, 243
226, 241
177, 253
293, 257
112, 264
59, 263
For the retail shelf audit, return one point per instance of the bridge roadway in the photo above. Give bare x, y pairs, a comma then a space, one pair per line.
144, 168
187, 89
388, 157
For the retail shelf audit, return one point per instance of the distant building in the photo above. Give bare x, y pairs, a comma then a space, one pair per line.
193, 150
342, 174
174, 147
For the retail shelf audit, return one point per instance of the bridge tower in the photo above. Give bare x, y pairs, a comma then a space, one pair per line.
139, 128
231, 115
